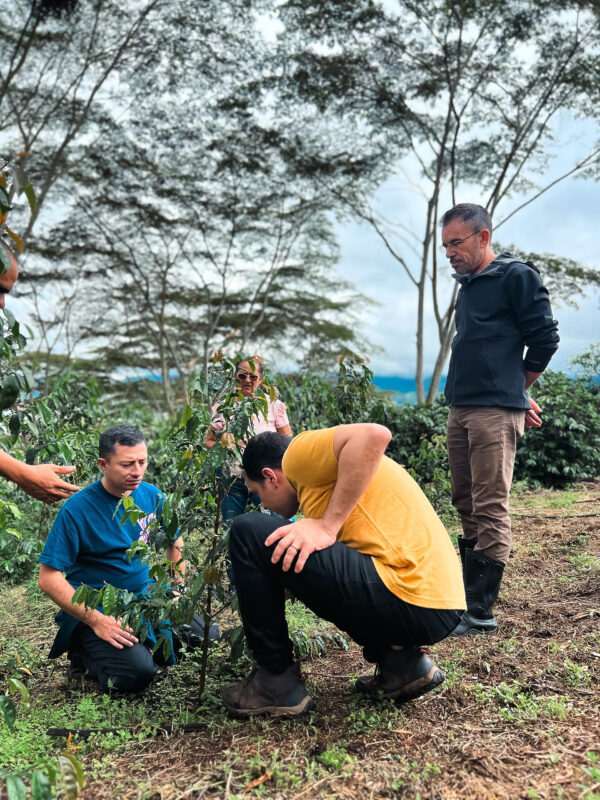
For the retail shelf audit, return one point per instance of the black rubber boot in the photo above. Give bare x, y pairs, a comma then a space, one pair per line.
483, 576
463, 546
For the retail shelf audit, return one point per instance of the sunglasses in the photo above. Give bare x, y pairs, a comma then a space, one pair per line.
245, 376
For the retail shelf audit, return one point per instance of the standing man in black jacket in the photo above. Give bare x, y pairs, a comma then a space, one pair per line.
505, 337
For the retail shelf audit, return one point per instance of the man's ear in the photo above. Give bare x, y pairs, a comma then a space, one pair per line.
485, 237
102, 463
269, 474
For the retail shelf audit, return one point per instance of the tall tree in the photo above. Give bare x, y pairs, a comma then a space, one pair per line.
465, 96
188, 224
58, 59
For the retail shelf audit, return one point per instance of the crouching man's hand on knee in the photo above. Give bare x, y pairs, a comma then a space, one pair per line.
109, 629
299, 539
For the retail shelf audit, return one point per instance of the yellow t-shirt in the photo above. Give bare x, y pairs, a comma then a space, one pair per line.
393, 522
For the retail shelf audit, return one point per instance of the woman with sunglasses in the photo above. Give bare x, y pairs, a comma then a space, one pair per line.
236, 500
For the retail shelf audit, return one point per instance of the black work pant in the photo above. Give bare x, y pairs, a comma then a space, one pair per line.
128, 670
339, 584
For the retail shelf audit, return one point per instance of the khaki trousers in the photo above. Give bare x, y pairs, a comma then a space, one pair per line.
482, 442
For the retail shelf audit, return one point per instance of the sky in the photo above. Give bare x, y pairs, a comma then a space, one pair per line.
563, 221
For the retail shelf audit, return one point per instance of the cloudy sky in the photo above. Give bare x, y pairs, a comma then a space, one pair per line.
564, 221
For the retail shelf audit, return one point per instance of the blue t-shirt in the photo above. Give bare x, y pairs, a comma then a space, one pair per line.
88, 543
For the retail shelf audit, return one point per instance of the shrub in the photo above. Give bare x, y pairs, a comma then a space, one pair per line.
567, 446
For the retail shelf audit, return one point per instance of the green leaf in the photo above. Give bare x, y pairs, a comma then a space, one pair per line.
72, 775
40, 786
109, 600
16, 686
15, 788
9, 710
45, 413
30, 195
4, 260
4, 201
79, 595
28, 376
10, 391
186, 415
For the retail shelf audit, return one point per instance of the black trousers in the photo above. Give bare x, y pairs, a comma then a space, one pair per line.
339, 584
128, 670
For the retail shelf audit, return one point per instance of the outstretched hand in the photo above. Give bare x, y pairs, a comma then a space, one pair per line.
42, 482
299, 539
531, 415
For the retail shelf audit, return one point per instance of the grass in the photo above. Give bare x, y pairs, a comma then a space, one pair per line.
507, 696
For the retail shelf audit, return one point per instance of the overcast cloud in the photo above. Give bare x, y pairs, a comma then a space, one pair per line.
564, 221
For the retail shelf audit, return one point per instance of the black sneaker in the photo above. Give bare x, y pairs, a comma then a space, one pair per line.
282, 695
402, 675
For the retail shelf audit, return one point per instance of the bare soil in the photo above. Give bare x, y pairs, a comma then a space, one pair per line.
516, 717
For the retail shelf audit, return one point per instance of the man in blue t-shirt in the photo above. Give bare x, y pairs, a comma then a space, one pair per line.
89, 545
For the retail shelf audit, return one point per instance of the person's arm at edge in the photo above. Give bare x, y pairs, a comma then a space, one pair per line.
532, 309
53, 583
359, 449
40, 481
532, 420
286, 430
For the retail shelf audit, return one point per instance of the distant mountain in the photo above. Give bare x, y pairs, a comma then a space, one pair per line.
405, 388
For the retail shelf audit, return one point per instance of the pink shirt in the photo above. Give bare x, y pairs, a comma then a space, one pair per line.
276, 418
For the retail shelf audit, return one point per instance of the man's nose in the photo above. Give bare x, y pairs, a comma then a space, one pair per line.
1, 301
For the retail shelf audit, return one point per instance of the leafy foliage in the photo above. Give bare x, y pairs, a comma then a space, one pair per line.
567, 446
191, 509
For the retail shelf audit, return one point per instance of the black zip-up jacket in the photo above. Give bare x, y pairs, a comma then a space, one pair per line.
499, 312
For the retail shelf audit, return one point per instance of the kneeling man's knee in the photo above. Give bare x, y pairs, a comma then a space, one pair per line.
136, 673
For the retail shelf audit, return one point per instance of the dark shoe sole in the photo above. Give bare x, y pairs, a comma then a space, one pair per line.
272, 711
410, 691
474, 630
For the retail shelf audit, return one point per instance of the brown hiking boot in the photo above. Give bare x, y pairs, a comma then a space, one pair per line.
282, 695
402, 675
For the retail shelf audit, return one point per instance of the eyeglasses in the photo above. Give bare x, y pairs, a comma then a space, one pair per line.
457, 242
244, 376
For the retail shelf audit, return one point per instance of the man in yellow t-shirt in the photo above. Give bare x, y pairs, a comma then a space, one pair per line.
370, 555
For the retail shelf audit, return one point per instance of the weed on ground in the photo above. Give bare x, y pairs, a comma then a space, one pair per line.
517, 717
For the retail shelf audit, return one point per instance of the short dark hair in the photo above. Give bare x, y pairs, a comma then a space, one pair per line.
258, 362
118, 434
264, 450
477, 216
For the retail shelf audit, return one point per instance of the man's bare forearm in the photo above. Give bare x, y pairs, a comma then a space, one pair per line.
359, 450
531, 378
53, 583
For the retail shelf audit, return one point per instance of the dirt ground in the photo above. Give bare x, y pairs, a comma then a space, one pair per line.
517, 717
